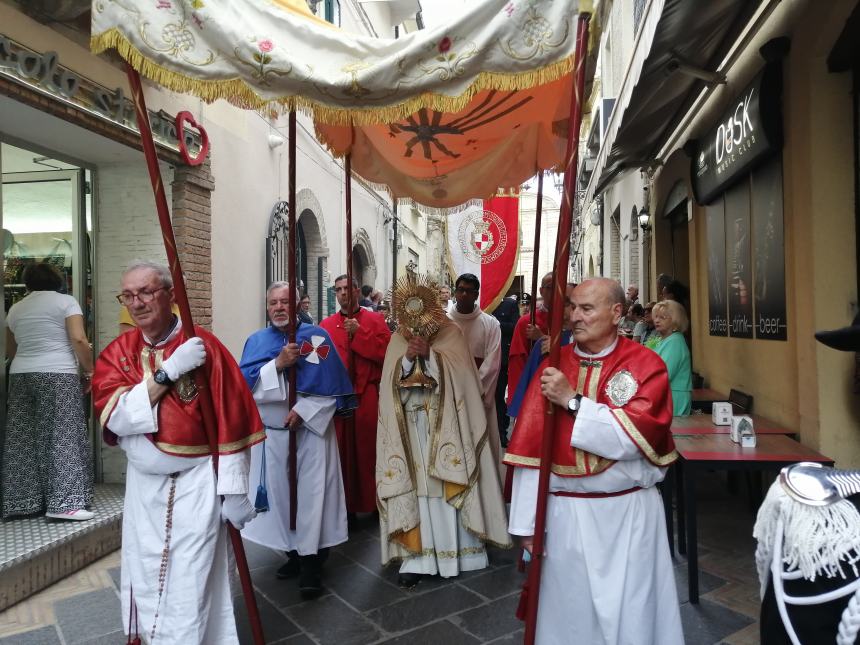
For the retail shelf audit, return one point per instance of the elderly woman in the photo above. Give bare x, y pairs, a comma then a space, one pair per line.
670, 321
47, 462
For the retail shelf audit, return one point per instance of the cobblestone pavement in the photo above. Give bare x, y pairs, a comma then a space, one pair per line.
363, 603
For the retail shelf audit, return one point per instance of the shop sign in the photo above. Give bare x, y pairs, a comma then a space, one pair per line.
749, 131
44, 74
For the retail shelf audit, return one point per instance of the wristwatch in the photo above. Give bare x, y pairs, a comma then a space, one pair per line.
573, 404
161, 378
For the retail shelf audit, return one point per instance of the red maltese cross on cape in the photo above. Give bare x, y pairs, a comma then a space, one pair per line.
316, 350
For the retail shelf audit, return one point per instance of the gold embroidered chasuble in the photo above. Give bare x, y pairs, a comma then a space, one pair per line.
460, 465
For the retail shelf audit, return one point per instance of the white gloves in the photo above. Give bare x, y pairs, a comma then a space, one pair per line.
238, 510
187, 356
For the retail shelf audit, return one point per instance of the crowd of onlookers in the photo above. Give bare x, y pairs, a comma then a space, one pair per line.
662, 326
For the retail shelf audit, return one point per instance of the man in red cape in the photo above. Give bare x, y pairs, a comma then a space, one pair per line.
174, 542
361, 340
525, 333
607, 575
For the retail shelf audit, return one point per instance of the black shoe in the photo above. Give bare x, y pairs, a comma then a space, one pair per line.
409, 580
291, 568
310, 576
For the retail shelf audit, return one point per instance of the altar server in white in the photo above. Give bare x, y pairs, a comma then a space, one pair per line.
175, 584
607, 574
483, 333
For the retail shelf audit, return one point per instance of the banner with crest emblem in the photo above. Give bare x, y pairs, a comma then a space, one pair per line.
484, 239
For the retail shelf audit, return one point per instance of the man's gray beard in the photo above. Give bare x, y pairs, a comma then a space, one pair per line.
282, 325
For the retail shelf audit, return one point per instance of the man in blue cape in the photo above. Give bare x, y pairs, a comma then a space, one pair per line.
323, 390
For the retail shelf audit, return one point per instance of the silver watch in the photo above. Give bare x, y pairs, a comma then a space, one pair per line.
573, 404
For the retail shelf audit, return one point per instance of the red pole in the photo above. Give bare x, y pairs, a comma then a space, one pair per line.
291, 328
536, 247
350, 450
562, 258
207, 408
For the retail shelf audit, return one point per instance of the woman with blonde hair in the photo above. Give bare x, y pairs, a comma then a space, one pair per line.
670, 321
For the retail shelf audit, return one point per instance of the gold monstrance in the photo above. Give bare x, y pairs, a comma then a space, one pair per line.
416, 307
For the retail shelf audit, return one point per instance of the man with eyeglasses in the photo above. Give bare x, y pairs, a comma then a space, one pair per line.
175, 576
483, 334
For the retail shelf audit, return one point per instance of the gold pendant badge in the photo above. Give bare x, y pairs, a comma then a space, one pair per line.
186, 389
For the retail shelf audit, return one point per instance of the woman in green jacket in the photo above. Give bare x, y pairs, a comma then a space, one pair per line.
670, 321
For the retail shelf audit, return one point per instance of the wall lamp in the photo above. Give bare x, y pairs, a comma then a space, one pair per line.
644, 219
275, 140
676, 64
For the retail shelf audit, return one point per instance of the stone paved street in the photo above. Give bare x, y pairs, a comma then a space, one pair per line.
363, 603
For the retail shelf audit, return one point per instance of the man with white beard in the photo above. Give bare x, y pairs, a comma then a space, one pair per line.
323, 390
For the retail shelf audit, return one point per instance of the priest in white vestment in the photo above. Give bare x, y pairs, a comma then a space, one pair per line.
607, 575
175, 586
323, 389
439, 495
483, 334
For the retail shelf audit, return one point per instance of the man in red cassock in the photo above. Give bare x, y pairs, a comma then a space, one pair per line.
175, 578
525, 333
361, 340
607, 575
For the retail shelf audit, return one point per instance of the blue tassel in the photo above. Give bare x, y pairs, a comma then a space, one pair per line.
261, 503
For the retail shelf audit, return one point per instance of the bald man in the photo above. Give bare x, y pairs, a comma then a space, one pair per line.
607, 575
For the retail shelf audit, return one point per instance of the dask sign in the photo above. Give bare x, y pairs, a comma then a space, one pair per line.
749, 131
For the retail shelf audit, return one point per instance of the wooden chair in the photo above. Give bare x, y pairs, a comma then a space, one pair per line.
741, 401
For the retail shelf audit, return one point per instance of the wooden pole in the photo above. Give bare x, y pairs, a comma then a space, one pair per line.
292, 457
207, 408
536, 247
350, 450
562, 258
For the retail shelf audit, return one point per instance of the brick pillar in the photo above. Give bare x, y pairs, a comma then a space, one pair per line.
192, 225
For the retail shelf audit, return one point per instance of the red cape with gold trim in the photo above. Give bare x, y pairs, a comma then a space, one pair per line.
643, 411
128, 360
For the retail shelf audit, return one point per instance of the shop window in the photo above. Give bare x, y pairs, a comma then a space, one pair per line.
746, 258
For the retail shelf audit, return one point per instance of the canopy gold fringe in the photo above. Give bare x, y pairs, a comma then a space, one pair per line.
240, 93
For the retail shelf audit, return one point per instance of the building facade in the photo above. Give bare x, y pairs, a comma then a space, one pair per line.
76, 191
748, 137
608, 242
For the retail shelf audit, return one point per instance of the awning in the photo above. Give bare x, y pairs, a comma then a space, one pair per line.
655, 94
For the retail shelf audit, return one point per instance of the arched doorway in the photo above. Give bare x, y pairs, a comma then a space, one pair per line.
313, 253
363, 261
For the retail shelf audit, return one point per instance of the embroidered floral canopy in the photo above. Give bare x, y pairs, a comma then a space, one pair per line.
441, 115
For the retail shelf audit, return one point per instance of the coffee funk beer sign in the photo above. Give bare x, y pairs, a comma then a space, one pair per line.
749, 131
44, 74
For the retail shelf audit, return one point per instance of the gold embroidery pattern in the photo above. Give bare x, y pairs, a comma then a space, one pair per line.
223, 448
111, 404
594, 379
640, 441
450, 555
577, 470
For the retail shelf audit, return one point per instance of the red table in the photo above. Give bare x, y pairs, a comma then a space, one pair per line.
701, 424
718, 451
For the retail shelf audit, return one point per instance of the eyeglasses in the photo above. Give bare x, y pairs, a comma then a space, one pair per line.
127, 298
